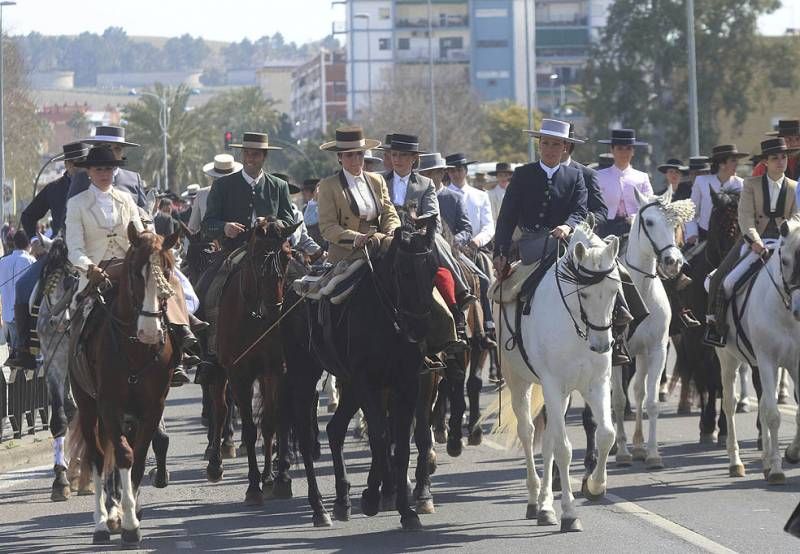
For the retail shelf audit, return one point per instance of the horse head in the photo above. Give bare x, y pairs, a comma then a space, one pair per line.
657, 218
723, 226
268, 255
593, 269
147, 269
789, 253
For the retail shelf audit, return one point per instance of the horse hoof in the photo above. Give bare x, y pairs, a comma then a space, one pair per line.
775, 478
60, 493
341, 512
546, 517
370, 503
475, 436
531, 511
589, 495
654, 462
254, 497
114, 525
322, 520
131, 537
410, 522
101, 537
791, 458
639, 454
440, 436
160, 478
706, 438
228, 451
425, 506
624, 460
571, 525
282, 489
86, 490
214, 473
736, 470
454, 447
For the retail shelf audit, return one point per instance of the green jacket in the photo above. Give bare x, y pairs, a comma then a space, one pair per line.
232, 199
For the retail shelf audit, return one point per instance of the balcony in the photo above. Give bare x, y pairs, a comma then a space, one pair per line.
420, 55
441, 22
574, 21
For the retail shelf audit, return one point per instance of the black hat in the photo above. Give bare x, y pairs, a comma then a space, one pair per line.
605, 160
786, 128
100, 156
387, 141
456, 160
622, 137
350, 139
405, 143
699, 163
256, 141
310, 184
501, 167
672, 163
774, 146
74, 151
109, 134
293, 189
722, 151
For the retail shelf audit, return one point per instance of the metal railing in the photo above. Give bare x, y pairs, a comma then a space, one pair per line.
23, 400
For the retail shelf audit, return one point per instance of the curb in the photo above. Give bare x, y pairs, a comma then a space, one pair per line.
20, 453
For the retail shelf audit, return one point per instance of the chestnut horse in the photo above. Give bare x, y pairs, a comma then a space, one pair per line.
130, 358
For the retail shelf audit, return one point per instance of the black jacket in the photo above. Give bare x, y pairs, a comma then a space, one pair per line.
454, 214
52, 198
124, 179
534, 202
594, 201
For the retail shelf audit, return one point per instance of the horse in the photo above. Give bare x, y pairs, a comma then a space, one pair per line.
381, 336
651, 251
130, 358
567, 340
766, 335
251, 351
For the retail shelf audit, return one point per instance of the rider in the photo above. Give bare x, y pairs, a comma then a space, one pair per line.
789, 129
765, 203
674, 171
502, 172
222, 165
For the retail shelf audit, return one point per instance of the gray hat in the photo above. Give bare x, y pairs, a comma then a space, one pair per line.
431, 161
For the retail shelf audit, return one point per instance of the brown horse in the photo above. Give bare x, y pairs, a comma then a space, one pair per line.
130, 358
250, 306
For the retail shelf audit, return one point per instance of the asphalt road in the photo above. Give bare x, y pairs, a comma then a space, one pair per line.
692, 505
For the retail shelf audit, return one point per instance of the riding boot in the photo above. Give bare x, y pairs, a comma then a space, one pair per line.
197, 325
619, 352
622, 316
184, 336
23, 359
179, 377
461, 323
716, 327
633, 300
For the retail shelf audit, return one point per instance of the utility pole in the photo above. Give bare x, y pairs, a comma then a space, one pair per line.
694, 131
430, 77
2, 127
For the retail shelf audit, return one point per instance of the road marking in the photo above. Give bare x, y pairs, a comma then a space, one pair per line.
184, 545
683, 533
20, 476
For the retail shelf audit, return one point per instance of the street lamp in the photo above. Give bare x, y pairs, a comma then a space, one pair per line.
163, 123
530, 52
694, 132
553, 78
430, 77
2, 120
366, 18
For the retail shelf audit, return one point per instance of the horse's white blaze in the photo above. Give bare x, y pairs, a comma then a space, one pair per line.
129, 519
149, 328
100, 513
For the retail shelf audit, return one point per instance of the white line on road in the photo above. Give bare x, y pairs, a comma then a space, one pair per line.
20, 476
686, 535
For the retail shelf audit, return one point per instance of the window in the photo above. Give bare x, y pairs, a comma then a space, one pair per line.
339, 88
492, 44
384, 44
403, 44
383, 13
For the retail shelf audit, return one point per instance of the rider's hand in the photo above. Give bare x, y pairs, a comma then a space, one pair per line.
96, 274
500, 266
360, 240
374, 241
691, 240
233, 229
758, 248
561, 232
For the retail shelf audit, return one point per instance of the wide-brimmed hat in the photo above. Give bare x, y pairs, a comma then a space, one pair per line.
370, 157
405, 143
191, 191
457, 160
428, 162
775, 145
223, 164
786, 128
293, 189
350, 139
310, 184
673, 163
556, 129
722, 151
74, 151
100, 156
501, 167
387, 141
699, 163
256, 141
109, 134
622, 137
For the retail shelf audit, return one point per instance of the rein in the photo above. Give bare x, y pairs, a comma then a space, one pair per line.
787, 289
583, 278
656, 250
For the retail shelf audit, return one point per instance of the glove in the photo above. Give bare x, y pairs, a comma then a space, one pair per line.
96, 275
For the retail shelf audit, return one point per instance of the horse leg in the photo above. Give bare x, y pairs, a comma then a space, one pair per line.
638, 450
405, 400
440, 412
228, 430
623, 457
337, 431
272, 423
729, 366
243, 393
597, 398
654, 365
474, 386
60, 489
546, 514
422, 439
770, 421
160, 447
455, 374
756, 378
590, 428
563, 457
793, 450
375, 414
521, 404
219, 411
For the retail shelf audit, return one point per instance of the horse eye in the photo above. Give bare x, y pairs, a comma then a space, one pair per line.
648, 222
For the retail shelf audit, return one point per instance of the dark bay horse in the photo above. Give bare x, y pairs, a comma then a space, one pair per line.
380, 334
130, 358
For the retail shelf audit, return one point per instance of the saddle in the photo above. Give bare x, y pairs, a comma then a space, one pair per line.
334, 283
211, 299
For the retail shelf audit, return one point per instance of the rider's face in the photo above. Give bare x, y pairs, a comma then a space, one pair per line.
623, 154
352, 162
253, 160
776, 163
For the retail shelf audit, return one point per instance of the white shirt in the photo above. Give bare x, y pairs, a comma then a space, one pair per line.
549, 170
774, 191
701, 196
617, 186
106, 203
363, 195
12, 267
479, 211
399, 189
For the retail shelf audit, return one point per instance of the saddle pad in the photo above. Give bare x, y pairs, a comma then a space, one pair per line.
336, 284
512, 285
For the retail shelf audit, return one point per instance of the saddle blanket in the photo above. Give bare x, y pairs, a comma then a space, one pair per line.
336, 284
508, 290
746, 260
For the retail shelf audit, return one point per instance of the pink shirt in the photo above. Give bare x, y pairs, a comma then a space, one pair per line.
617, 188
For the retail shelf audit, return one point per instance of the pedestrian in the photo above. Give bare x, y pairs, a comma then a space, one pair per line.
674, 172
502, 172
12, 267
223, 165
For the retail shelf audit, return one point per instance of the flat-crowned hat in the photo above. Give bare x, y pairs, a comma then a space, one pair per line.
405, 143
310, 184
673, 163
622, 137
370, 157
722, 151
387, 141
293, 189
457, 160
428, 162
699, 163
110, 134
74, 151
786, 128
501, 167
191, 191
100, 156
223, 164
350, 139
775, 145
256, 141
556, 129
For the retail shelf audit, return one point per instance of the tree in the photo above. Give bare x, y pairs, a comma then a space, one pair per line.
637, 73
502, 136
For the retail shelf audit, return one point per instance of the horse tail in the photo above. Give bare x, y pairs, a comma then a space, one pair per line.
505, 427
76, 446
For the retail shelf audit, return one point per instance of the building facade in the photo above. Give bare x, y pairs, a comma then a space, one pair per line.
319, 94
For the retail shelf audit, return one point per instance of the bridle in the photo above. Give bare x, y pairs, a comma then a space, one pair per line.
658, 251
787, 289
269, 265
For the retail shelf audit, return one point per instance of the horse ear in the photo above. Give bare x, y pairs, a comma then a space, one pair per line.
579, 252
785, 229
641, 199
590, 221
613, 247
430, 228
133, 234
171, 240
714, 197
667, 196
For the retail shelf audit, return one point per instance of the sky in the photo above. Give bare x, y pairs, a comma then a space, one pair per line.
228, 20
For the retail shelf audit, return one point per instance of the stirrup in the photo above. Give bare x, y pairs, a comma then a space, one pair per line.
712, 337
687, 319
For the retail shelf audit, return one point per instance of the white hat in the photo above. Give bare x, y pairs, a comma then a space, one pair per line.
191, 191
222, 165
554, 128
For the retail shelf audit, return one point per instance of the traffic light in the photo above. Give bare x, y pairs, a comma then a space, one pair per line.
228, 140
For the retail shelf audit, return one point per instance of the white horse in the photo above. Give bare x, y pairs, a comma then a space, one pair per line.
567, 338
651, 251
770, 319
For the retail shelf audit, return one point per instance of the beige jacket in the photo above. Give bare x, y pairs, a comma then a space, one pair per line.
339, 220
752, 219
198, 210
